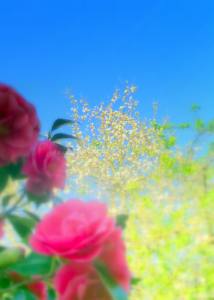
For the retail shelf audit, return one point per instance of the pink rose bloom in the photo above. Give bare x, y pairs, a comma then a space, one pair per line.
74, 230
113, 255
45, 168
19, 126
79, 282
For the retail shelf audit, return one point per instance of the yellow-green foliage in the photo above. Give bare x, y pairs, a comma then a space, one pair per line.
167, 190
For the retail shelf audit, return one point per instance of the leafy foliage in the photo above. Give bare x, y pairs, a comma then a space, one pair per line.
33, 264
165, 187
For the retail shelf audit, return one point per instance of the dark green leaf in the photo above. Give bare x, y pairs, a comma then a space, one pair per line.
23, 225
63, 148
121, 220
60, 122
4, 281
116, 291
62, 136
33, 264
51, 294
14, 170
3, 178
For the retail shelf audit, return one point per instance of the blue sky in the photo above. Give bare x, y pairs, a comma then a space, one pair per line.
165, 47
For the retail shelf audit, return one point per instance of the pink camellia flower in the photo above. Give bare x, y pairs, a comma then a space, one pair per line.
19, 126
45, 168
75, 230
113, 255
79, 282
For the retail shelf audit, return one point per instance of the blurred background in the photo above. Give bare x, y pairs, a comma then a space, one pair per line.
152, 162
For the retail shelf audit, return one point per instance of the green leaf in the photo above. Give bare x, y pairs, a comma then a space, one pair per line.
3, 178
116, 291
135, 281
121, 220
15, 170
62, 136
51, 294
4, 281
10, 256
199, 125
60, 122
170, 141
33, 264
23, 225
